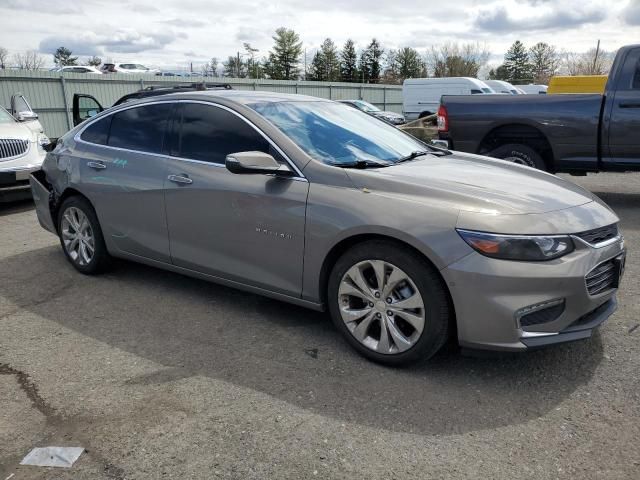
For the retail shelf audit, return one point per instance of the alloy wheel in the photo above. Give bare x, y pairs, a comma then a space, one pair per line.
381, 306
77, 236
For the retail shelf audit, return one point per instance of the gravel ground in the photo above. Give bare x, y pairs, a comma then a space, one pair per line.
160, 376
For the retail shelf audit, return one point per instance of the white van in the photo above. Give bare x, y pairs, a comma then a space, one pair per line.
421, 96
532, 89
500, 86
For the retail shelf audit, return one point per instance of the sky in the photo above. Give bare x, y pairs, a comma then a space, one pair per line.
175, 33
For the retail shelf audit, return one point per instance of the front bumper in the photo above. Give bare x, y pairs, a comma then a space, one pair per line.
490, 294
14, 184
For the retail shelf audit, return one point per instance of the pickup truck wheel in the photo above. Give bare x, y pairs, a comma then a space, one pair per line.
520, 154
389, 303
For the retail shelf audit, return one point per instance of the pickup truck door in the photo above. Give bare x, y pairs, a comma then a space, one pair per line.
621, 147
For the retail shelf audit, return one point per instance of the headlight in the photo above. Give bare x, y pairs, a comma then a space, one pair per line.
43, 140
518, 247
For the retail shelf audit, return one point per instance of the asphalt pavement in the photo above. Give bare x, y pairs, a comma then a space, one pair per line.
162, 376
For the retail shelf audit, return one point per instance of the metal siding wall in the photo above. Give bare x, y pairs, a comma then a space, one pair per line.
44, 91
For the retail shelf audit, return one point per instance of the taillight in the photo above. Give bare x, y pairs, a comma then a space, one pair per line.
443, 119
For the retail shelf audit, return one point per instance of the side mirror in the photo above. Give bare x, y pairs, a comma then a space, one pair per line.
26, 116
92, 113
253, 162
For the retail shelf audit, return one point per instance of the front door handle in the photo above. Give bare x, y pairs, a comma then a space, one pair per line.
96, 165
184, 179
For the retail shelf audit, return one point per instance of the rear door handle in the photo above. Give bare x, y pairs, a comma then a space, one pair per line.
96, 165
184, 179
630, 105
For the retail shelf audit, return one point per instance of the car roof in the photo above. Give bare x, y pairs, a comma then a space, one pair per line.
245, 97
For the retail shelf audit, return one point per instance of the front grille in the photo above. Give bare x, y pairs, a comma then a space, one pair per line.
598, 235
603, 277
12, 147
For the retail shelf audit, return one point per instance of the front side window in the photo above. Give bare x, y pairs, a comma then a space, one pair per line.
140, 128
336, 134
210, 133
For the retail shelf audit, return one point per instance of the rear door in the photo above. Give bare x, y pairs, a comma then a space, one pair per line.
247, 228
622, 117
122, 171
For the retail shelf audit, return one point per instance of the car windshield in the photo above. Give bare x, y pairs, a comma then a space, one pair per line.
5, 117
336, 134
366, 106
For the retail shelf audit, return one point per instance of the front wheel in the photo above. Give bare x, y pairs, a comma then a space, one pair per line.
81, 236
520, 154
389, 303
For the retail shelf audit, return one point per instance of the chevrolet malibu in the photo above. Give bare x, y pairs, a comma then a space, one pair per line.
318, 204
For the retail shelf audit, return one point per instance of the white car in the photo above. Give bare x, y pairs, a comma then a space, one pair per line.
127, 68
22, 149
532, 89
421, 96
77, 69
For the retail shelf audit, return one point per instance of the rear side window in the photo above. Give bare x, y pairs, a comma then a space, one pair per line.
635, 84
210, 133
140, 128
97, 132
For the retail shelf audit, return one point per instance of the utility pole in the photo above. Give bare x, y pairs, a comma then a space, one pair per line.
595, 58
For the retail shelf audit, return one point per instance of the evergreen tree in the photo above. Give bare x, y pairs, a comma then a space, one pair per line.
316, 68
285, 56
234, 67
253, 65
349, 62
516, 61
544, 62
374, 60
364, 72
408, 63
331, 61
63, 58
499, 73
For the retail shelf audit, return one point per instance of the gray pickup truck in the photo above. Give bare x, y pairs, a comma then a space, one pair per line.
574, 133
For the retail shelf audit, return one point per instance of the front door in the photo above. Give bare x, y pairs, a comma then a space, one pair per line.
624, 116
84, 107
247, 228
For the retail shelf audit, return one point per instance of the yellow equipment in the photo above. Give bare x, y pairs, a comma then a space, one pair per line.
577, 84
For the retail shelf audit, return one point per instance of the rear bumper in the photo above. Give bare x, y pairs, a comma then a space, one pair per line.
42, 196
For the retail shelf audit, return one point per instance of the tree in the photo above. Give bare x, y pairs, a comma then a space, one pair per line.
456, 60
212, 67
4, 56
591, 62
374, 60
284, 58
331, 58
63, 57
94, 61
349, 62
29, 60
544, 62
499, 73
253, 65
408, 63
364, 74
316, 68
235, 67
516, 61
390, 73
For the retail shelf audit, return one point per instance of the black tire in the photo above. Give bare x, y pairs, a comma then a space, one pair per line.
520, 154
101, 260
437, 310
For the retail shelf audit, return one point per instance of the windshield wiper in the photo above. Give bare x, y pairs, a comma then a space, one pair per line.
360, 164
412, 156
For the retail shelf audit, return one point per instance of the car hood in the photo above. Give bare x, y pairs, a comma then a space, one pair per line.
473, 183
386, 113
15, 130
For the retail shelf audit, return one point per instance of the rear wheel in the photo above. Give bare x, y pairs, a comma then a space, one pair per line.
520, 154
389, 303
81, 236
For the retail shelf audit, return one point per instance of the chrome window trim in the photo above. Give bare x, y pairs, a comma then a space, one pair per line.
606, 243
289, 162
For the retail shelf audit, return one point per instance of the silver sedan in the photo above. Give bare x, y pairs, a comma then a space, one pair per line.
318, 204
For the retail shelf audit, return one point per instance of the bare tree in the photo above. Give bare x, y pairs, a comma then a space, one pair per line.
4, 56
456, 60
29, 60
591, 62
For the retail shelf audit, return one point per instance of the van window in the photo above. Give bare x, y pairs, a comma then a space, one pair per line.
475, 92
140, 128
